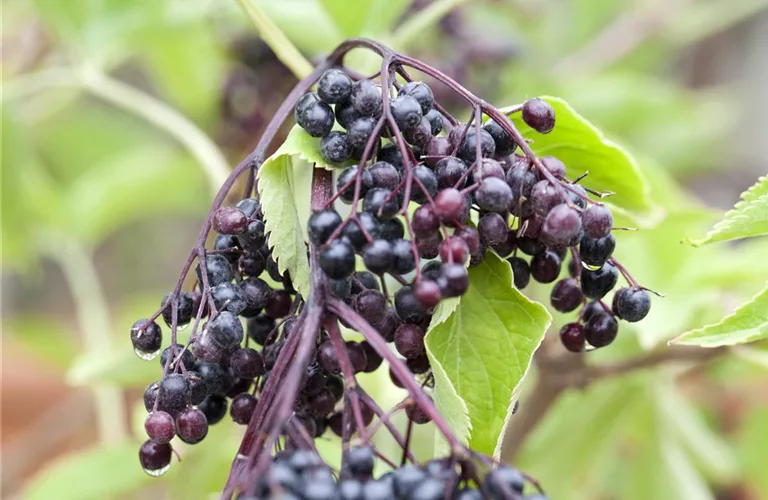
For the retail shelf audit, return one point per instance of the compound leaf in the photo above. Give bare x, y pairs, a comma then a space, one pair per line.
748, 323
481, 351
749, 217
278, 201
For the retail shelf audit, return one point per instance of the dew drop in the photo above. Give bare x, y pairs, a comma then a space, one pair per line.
158, 472
182, 327
146, 356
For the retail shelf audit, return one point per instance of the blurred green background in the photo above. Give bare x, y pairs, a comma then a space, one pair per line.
120, 118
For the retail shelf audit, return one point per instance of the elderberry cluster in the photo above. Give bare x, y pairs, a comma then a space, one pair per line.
216, 371
301, 474
428, 203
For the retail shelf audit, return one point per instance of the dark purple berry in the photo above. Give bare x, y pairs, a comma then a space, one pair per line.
218, 270
335, 148
632, 304
555, 166
322, 224
366, 98
247, 363
545, 266
521, 273
314, 116
421, 92
174, 392
596, 284
426, 186
229, 297
146, 337
242, 408
404, 261
561, 226
493, 229
226, 330
494, 195
357, 356
214, 407
378, 256
155, 457
435, 119
505, 145
159, 427
229, 220
334, 86
337, 260
566, 295
353, 232
424, 222
539, 115
450, 205
454, 250
572, 337
328, 358
406, 111
596, 252
544, 197
192, 425
601, 330
598, 221
279, 303
449, 172
407, 307
468, 149
409, 341
427, 293
185, 306
348, 175
381, 203
371, 305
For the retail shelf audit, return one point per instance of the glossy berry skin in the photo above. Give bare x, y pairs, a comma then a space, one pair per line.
505, 145
226, 330
631, 304
520, 272
418, 416
253, 237
148, 340
159, 427
187, 358
435, 120
545, 266
601, 330
322, 224
470, 236
348, 175
544, 197
407, 307
337, 260
390, 153
252, 264
539, 115
450, 205
494, 195
566, 295
503, 481
596, 284
554, 165
598, 221
572, 337
428, 184
192, 425
174, 392
229, 220
257, 293
345, 113
371, 305
391, 230
421, 92
409, 341
384, 175
404, 261
453, 280
488, 168
218, 270
242, 408
596, 252
366, 98
154, 456
214, 407
314, 116
357, 356
492, 229
468, 149
354, 234
373, 359
229, 297
406, 111
454, 250
334, 86
359, 131
381, 204
360, 461
427, 293
378, 256
561, 226
247, 363
184, 310
424, 222
449, 171
335, 148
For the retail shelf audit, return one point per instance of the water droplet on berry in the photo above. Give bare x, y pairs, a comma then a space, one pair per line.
158, 472
146, 356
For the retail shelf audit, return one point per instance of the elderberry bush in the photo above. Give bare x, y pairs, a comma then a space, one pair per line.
427, 198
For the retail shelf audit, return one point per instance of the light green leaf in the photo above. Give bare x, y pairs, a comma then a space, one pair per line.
347, 16
94, 474
482, 350
748, 323
282, 219
301, 144
583, 148
748, 218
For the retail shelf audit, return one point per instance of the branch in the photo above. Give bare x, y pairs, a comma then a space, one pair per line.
277, 41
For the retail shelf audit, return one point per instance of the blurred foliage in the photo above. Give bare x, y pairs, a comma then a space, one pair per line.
77, 163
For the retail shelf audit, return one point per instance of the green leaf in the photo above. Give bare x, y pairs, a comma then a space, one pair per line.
301, 144
583, 148
748, 323
748, 218
483, 349
94, 474
282, 219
